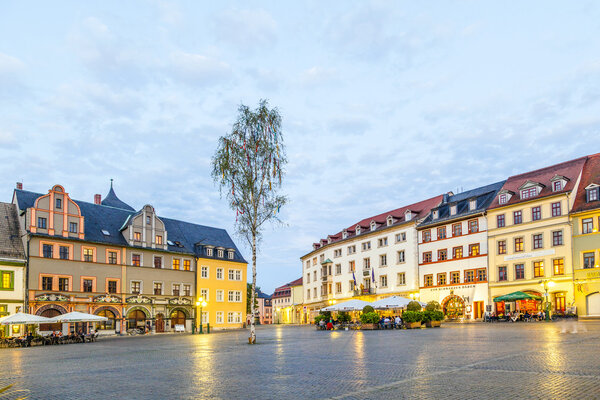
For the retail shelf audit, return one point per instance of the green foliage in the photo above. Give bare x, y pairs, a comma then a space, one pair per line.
368, 309
344, 317
433, 306
412, 316
413, 306
326, 315
318, 318
369, 317
432, 316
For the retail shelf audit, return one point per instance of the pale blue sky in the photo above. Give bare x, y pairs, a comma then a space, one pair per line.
383, 103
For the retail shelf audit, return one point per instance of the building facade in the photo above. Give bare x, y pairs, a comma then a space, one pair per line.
133, 267
453, 251
585, 219
530, 236
286, 301
12, 268
375, 258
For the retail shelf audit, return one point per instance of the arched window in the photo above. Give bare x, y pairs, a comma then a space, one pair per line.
177, 318
136, 319
110, 324
49, 314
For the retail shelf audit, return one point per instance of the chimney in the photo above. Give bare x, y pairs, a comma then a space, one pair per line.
97, 199
20, 185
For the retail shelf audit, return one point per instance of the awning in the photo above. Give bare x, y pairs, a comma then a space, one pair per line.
514, 296
77, 316
393, 302
350, 305
24, 318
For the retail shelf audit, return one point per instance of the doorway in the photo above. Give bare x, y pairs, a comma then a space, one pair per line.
478, 309
160, 323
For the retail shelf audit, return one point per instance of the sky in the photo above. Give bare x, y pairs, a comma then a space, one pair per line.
383, 103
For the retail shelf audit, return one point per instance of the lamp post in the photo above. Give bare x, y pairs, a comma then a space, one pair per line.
547, 283
200, 303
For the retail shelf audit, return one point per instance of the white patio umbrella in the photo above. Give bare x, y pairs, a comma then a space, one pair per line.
76, 316
24, 319
393, 302
350, 305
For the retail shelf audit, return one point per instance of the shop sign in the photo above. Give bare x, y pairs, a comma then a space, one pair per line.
593, 274
531, 254
449, 288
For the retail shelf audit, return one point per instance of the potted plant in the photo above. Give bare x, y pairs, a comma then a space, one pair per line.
433, 314
412, 319
369, 320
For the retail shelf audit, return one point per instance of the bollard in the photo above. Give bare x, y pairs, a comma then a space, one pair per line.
207, 328
193, 329
200, 332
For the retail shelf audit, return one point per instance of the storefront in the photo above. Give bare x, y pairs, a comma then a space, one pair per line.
459, 301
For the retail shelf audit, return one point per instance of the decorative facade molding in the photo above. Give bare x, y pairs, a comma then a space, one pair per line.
181, 301
139, 300
107, 298
51, 297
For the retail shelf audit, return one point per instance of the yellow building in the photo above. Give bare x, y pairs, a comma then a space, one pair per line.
585, 219
221, 285
529, 237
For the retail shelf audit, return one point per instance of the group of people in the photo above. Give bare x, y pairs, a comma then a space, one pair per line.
515, 316
392, 322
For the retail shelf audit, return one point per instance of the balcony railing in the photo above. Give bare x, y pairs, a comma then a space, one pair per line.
361, 292
367, 272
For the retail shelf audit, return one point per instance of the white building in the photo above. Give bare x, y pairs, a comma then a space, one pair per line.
375, 258
453, 253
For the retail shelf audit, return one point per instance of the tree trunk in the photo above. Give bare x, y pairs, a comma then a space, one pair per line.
252, 338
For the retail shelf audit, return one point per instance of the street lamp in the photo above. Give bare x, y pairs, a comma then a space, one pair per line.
547, 283
200, 303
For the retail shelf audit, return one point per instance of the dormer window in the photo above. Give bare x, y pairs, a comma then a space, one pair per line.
220, 253
472, 205
390, 221
453, 210
528, 193
557, 186
230, 255
373, 225
503, 198
209, 252
407, 215
558, 182
358, 230
436, 214
592, 193
345, 235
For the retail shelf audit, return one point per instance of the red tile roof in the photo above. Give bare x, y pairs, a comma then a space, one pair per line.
590, 175
569, 169
297, 282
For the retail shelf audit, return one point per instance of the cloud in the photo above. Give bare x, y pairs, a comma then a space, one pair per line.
318, 76
10, 65
246, 30
200, 69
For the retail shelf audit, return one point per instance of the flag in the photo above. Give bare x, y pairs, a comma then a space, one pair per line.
354, 278
373, 277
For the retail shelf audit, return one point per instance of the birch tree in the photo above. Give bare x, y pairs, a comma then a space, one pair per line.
248, 166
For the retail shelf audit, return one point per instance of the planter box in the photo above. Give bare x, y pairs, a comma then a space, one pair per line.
413, 325
369, 327
433, 324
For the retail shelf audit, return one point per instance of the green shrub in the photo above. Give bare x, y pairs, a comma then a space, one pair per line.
318, 318
369, 318
413, 306
368, 309
427, 316
433, 306
437, 316
412, 316
344, 317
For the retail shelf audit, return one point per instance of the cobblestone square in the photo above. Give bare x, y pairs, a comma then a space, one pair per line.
458, 361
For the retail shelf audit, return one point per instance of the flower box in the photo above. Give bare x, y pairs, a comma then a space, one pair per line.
413, 325
433, 324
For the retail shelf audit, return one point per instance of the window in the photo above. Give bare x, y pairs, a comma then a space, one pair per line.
536, 213
517, 217
220, 274
338, 287
441, 233
42, 222
176, 263
382, 242
157, 288
558, 265
220, 253
383, 260
219, 319
401, 278
519, 271
401, 237
401, 256
441, 279
500, 221
187, 265
351, 249
314, 275
137, 236
314, 292
428, 280
46, 283
58, 203
136, 287
527, 193
427, 258
307, 278
204, 272
472, 204
234, 317
426, 236
136, 260
366, 263
442, 255
112, 287
351, 266
455, 277
382, 281
457, 252
187, 290
474, 250
235, 296
148, 219
220, 295
592, 194
88, 285
481, 275
338, 269
88, 255
157, 262
538, 269
7, 281
557, 238
557, 186
159, 239
176, 287
453, 210
587, 225
235, 275
473, 226
518, 244
314, 261
366, 246
502, 247
112, 257
230, 255
538, 241
502, 199
469, 275
63, 252
63, 284
556, 209
457, 229
204, 294
502, 275
209, 252
73, 227
47, 250
337, 253
589, 260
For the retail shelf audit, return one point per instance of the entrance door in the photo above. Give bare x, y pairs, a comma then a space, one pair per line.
560, 302
478, 309
593, 304
160, 323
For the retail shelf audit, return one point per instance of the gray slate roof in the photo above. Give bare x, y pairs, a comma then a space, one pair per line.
112, 200
11, 245
100, 217
483, 195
